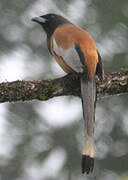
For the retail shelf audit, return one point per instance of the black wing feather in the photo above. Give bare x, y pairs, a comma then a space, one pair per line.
100, 68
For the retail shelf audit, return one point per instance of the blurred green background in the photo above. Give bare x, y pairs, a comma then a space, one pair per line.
43, 140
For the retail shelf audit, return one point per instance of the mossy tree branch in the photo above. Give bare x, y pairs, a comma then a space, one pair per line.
114, 83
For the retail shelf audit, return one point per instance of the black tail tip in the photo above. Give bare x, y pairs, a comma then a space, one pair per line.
87, 164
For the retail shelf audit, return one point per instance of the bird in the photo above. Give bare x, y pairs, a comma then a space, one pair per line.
76, 52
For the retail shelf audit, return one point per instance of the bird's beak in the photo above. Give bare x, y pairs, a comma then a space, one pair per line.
39, 20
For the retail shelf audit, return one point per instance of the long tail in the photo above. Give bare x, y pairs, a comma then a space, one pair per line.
88, 94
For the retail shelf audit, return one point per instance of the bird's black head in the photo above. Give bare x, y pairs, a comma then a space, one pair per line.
50, 22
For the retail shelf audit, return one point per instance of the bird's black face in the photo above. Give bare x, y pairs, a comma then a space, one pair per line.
50, 22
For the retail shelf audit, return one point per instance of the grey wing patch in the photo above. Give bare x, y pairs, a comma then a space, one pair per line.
70, 56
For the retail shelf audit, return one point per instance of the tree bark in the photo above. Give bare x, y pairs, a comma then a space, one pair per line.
113, 84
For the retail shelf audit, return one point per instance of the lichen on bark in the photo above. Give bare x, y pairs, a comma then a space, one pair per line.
113, 83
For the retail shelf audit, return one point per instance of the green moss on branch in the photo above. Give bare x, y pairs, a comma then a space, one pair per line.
114, 83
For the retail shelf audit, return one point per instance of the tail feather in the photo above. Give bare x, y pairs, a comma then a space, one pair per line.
88, 94
87, 164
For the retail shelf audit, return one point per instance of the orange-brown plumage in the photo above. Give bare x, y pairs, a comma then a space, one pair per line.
76, 52
60, 60
69, 34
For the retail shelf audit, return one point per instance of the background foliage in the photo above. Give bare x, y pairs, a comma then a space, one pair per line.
43, 140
